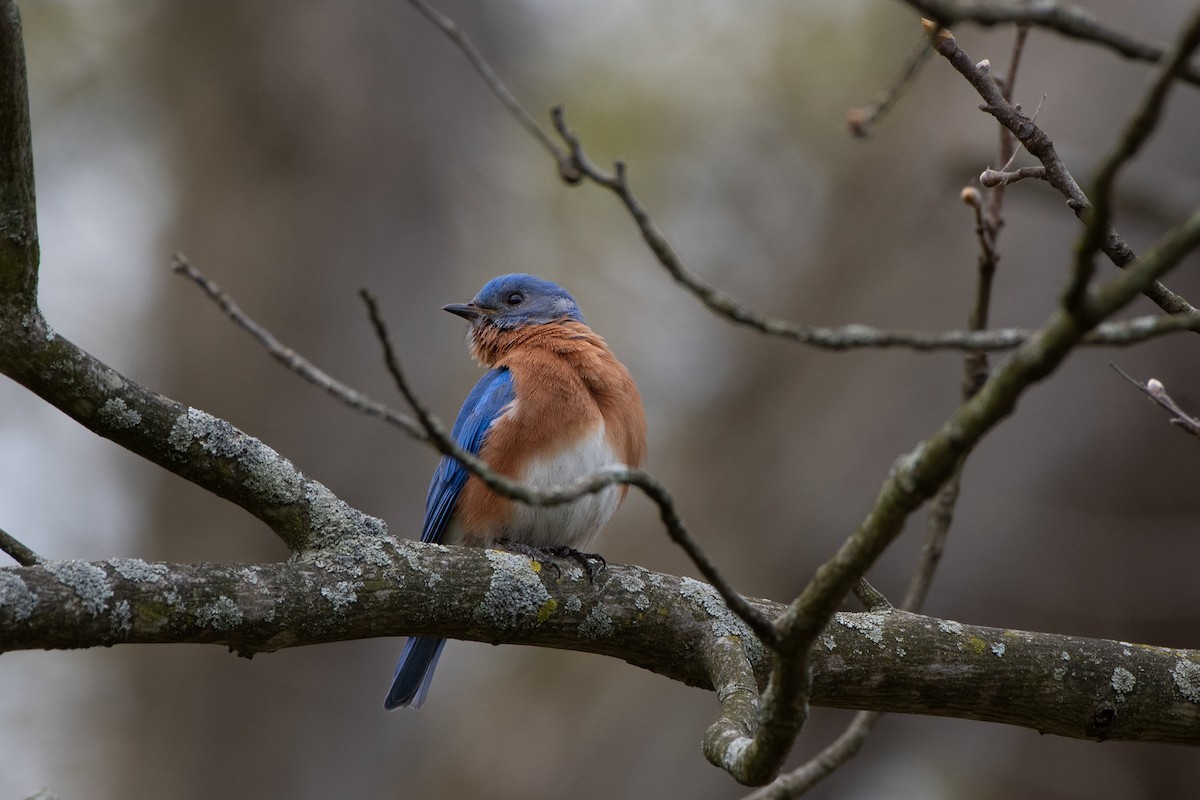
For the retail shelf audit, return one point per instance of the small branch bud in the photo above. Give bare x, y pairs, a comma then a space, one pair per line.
970, 196
857, 123
936, 32
990, 178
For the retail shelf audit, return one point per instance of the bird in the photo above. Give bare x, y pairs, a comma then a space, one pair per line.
554, 405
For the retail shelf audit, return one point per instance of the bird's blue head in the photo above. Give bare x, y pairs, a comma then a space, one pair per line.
518, 300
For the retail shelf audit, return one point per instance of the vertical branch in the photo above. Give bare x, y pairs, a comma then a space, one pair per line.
18, 215
988, 224
989, 221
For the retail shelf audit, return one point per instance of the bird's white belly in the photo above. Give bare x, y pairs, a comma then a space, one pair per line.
571, 524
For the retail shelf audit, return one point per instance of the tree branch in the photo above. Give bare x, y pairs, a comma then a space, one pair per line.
463, 42
19, 552
917, 476
293, 360
894, 661
573, 166
733, 680
1069, 20
185, 441
18, 210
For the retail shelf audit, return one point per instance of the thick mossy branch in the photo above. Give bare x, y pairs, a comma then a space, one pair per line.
369, 586
732, 677
186, 441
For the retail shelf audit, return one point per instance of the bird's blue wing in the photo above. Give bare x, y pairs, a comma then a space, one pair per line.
486, 401
481, 408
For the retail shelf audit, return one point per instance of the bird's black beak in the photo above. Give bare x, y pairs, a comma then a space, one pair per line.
468, 311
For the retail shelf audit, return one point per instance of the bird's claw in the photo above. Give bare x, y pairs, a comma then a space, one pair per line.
585, 560
593, 563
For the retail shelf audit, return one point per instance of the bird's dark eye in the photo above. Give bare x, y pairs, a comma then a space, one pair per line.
514, 298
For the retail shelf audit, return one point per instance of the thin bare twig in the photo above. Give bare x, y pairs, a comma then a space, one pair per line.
871, 598
573, 166
848, 337
861, 121
989, 221
1008, 85
293, 360
975, 373
843, 338
19, 552
1155, 390
988, 224
493, 82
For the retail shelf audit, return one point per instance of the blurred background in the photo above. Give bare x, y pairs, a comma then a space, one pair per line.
299, 151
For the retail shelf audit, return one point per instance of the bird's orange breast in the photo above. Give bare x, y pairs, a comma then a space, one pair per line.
576, 410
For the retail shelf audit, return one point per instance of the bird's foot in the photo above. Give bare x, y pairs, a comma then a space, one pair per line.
593, 563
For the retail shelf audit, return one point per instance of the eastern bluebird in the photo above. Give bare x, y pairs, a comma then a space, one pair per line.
555, 405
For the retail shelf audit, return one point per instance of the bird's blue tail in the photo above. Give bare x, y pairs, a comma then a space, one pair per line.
414, 672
